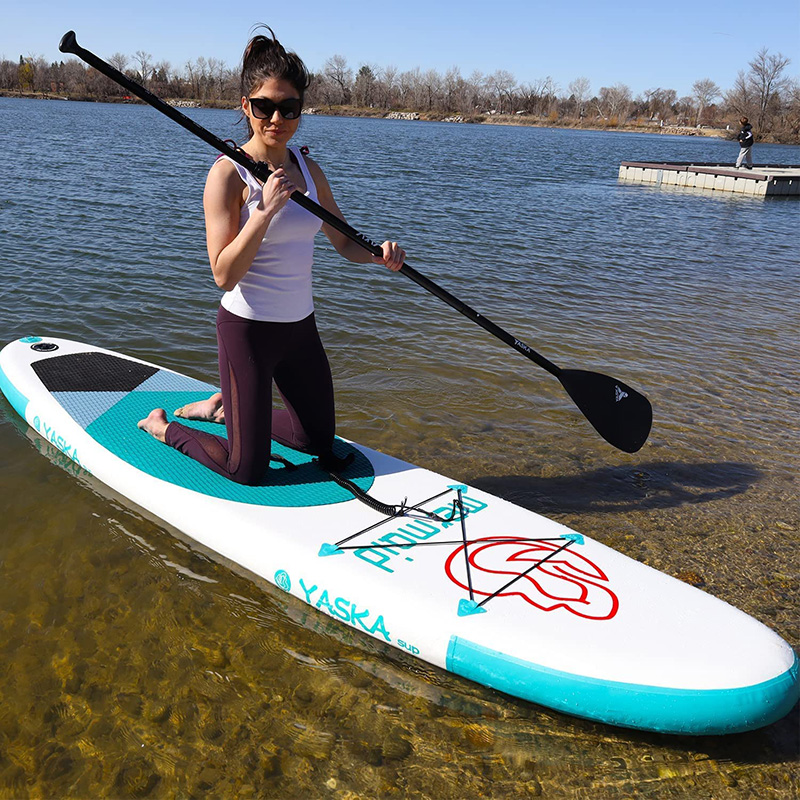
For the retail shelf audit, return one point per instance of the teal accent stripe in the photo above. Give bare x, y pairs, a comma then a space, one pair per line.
13, 395
654, 708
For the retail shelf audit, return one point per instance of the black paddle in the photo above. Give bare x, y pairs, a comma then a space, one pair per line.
621, 415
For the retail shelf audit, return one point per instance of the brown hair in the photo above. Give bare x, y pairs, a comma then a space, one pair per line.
264, 58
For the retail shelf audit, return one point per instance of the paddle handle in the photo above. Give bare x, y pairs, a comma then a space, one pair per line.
69, 44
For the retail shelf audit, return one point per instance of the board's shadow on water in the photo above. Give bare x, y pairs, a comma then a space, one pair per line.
644, 487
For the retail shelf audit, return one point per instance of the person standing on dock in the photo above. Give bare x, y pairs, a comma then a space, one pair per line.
746, 140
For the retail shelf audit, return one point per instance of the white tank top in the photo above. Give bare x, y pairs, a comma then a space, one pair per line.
277, 287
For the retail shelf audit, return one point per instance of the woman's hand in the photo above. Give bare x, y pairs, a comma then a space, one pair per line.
276, 193
393, 256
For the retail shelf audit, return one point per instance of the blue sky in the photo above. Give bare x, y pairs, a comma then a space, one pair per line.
644, 44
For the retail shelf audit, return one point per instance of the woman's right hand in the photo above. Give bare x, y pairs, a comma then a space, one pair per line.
276, 193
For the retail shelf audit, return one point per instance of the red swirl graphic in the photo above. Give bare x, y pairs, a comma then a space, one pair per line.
569, 580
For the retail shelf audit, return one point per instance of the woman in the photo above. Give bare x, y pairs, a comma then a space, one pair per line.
260, 247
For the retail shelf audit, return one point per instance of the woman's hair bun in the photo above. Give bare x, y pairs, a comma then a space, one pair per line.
265, 57
261, 43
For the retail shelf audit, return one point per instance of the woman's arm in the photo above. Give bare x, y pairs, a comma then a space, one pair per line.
231, 251
393, 254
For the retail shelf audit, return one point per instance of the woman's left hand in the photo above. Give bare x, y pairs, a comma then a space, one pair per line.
393, 256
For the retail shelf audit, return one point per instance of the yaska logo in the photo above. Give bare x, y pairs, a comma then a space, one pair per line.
522, 346
345, 610
392, 549
619, 393
283, 580
58, 441
567, 581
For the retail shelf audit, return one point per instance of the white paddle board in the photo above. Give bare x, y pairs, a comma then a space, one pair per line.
461, 579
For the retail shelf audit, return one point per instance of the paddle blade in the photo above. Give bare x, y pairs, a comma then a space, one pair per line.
621, 415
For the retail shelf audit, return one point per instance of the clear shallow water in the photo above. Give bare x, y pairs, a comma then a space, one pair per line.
135, 665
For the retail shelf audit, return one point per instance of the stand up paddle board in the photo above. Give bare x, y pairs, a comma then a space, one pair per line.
443, 571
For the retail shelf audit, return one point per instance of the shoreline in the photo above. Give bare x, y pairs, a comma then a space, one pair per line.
423, 116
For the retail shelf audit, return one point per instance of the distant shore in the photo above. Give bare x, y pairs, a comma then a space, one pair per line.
634, 126
522, 120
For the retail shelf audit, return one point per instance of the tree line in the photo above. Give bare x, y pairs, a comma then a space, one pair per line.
763, 92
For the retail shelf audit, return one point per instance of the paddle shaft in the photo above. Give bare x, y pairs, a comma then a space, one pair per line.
259, 169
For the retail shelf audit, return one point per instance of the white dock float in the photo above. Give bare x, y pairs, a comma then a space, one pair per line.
761, 180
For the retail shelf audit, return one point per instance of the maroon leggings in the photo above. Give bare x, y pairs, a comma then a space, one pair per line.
251, 355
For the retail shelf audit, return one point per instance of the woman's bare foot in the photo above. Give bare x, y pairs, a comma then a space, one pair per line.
155, 423
209, 410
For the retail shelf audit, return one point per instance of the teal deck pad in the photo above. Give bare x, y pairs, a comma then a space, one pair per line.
82, 384
110, 418
308, 485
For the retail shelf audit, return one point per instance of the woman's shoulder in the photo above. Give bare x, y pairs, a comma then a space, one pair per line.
224, 167
225, 172
225, 182
316, 171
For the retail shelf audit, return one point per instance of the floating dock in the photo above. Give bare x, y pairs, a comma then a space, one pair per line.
762, 180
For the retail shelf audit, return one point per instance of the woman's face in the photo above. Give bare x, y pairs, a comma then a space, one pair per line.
275, 130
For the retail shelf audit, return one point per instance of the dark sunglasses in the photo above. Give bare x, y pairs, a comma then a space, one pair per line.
264, 108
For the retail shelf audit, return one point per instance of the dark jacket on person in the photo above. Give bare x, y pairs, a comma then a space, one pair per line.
745, 136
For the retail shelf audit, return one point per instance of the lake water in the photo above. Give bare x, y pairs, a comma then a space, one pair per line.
135, 665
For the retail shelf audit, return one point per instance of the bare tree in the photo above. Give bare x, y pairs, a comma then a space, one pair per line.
387, 85
656, 101
430, 88
216, 77
580, 90
119, 61
738, 98
538, 97
704, 92
411, 90
615, 101
162, 78
192, 73
8, 74
40, 78
685, 108
500, 85
454, 91
767, 82
666, 102
73, 76
477, 94
145, 62
762, 93
340, 75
